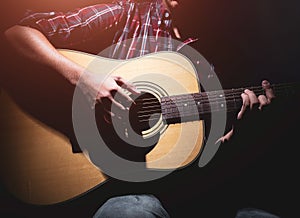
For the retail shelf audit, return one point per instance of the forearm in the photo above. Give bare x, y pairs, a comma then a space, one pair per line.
34, 45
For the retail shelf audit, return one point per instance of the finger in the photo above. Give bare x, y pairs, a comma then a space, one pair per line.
108, 115
268, 90
173, 3
126, 85
115, 103
176, 32
225, 137
252, 98
246, 103
263, 101
122, 97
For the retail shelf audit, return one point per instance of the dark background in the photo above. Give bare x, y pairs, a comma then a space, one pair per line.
246, 41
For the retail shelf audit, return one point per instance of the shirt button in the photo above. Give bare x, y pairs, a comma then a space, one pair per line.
167, 14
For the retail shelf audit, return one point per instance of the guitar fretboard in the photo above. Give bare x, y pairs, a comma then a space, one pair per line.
190, 107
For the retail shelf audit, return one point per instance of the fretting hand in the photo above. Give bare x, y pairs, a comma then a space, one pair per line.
251, 102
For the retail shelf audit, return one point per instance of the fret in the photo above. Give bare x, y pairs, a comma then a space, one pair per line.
195, 106
234, 100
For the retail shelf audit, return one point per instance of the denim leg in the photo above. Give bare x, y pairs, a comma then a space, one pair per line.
254, 213
132, 206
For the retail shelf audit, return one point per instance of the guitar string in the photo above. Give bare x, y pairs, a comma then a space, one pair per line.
208, 104
192, 115
211, 97
206, 108
188, 113
204, 101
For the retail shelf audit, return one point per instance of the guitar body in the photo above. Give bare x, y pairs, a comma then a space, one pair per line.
40, 167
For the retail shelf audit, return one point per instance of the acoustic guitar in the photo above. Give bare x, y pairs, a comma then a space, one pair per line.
40, 167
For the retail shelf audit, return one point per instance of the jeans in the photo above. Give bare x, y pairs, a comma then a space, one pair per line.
148, 206
254, 213
132, 206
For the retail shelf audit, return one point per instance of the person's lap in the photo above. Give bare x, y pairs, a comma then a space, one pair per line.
148, 206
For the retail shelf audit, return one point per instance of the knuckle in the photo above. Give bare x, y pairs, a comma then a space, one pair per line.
106, 95
244, 96
114, 88
247, 91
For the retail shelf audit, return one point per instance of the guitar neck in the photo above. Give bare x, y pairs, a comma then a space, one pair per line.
190, 107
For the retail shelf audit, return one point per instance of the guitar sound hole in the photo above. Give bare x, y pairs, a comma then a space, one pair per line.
145, 114
133, 140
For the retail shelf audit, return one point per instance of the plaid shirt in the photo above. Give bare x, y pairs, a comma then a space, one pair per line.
142, 27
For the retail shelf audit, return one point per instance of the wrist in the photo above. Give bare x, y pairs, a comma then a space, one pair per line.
71, 71
74, 76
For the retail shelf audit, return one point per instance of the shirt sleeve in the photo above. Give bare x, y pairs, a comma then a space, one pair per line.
77, 26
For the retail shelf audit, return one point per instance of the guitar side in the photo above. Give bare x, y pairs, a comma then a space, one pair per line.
42, 167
